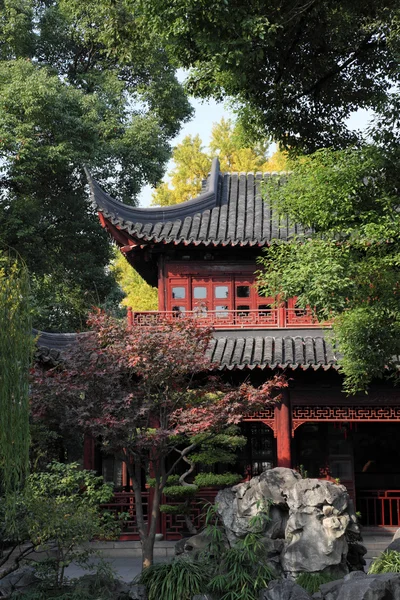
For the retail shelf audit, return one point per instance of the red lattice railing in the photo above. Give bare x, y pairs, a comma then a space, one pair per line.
172, 527
379, 508
270, 318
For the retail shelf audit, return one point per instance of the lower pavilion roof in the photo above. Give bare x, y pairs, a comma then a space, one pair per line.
272, 352
231, 352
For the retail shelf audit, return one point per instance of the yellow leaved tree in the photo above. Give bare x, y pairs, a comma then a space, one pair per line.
192, 163
139, 295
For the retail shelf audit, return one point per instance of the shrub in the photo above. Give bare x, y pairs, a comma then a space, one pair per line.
182, 578
63, 512
311, 582
387, 562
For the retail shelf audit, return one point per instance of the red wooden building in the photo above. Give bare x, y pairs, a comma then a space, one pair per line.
201, 255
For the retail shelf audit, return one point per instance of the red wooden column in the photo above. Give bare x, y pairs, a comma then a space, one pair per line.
283, 428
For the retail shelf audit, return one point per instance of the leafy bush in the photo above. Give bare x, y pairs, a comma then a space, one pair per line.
180, 491
211, 479
242, 571
102, 584
181, 578
311, 582
236, 573
387, 562
63, 512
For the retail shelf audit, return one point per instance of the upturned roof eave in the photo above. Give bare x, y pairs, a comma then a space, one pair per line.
123, 213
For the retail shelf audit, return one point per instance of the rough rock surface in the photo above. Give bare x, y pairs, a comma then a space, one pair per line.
395, 543
284, 589
195, 545
359, 586
20, 581
137, 592
311, 520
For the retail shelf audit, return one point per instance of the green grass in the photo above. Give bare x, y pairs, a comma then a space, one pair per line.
180, 579
387, 562
311, 582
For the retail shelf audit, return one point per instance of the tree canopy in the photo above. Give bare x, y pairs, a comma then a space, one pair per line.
79, 84
294, 70
347, 266
192, 162
142, 392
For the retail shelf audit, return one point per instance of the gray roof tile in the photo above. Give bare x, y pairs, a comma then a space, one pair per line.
229, 352
230, 210
273, 352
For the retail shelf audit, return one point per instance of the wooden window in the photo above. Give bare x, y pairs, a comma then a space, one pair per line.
199, 292
242, 291
221, 291
178, 293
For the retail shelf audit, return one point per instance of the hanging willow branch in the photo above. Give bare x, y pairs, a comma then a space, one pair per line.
15, 358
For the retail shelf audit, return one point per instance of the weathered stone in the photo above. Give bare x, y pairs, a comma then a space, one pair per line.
202, 597
314, 543
320, 493
395, 543
310, 519
358, 586
18, 581
137, 592
194, 545
239, 504
284, 589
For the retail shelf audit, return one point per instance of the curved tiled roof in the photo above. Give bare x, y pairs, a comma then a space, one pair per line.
230, 211
272, 352
230, 352
49, 346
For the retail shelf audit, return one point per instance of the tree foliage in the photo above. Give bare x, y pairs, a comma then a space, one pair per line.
347, 266
294, 70
192, 163
139, 391
16, 347
59, 511
138, 294
79, 83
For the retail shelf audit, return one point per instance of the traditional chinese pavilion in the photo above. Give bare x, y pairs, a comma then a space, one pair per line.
202, 257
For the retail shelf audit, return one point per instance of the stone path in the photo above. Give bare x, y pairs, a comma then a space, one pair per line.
125, 556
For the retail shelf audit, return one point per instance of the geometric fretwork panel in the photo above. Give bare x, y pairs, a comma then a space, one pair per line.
306, 414
266, 413
267, 416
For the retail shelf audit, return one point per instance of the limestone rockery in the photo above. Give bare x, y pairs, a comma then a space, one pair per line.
312, 526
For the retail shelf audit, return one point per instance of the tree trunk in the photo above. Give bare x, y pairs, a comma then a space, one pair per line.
147, 551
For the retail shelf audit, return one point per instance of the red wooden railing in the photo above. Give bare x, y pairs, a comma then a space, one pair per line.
172, 527
379, 508
271, 318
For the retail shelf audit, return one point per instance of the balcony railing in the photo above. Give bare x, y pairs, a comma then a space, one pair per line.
232, 319
379, 508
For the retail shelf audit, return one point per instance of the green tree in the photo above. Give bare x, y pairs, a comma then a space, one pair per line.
192, 163
16, 346
347, 266
294, 70
79, 83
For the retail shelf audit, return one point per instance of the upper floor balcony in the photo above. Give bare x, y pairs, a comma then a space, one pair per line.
261, 318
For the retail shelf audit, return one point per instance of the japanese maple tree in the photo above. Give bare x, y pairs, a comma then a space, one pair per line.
145, 393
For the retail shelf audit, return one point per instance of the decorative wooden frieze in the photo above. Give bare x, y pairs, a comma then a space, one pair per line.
371, 414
